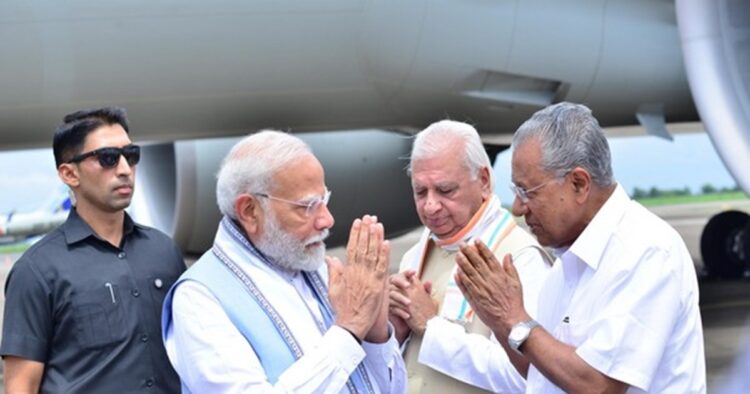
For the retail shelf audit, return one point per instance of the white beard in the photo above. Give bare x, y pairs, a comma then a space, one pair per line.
287, 251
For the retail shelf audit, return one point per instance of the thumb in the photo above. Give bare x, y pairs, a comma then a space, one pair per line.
428, 287
410, 274
335, 269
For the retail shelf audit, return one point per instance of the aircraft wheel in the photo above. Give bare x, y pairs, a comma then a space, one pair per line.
724, 244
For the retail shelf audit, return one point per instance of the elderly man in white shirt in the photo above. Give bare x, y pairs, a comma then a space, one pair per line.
449, 350
619, 311
254, 313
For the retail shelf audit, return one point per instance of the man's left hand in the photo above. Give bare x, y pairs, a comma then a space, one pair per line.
493, 290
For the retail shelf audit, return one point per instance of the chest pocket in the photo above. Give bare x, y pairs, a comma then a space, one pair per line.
99, 317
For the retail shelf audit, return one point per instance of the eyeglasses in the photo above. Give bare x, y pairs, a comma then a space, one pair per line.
523, 194
109, 157
311, 206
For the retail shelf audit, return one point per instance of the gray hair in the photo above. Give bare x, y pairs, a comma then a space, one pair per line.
250, 165
439, 136
569, 137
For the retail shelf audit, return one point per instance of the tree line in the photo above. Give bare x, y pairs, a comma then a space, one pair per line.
685, 191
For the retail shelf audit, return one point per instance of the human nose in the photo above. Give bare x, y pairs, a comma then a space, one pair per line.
323, 218
519, 208
431, 204
123, 167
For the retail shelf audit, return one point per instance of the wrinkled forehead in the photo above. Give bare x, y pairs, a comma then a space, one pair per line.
526, 161
439, 170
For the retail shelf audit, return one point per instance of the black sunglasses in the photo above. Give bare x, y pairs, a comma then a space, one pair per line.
109, 157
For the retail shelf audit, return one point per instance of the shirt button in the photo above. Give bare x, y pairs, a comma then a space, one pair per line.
121, 255
144, 338
135, 293
149, 382
158, 283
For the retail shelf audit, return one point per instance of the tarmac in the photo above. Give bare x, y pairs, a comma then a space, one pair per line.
725, 305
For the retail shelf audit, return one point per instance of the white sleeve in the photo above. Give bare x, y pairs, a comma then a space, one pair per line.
386, 365
470, 358
211, 355
532, 270
476, 359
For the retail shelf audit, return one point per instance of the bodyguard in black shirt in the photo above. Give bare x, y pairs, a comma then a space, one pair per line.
82, 309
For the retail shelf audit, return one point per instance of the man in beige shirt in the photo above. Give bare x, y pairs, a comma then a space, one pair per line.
452, 182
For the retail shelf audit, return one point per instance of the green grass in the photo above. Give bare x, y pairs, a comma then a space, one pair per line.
14, 248
700, 198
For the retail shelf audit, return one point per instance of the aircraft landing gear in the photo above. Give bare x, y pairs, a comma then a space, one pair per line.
725, 245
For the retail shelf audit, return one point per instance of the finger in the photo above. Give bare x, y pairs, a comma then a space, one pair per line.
410, 274
428, 287
459, 278
363, 240
399, 312
414, 281
482, 263
351, 245
384, 257
488, 256
510, 268
470, 290
471, 254
375, 239
467, 274
399, 299
400, 281
334, 269
464, 262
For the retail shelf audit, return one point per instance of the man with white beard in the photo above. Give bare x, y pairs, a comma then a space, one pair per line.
254, 313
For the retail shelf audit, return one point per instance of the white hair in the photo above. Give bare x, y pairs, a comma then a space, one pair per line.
569, 137
251, 164
440, 136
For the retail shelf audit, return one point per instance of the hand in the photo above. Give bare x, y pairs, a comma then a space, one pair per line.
379, 331
411, 300
357, 290
493, 290
397, 310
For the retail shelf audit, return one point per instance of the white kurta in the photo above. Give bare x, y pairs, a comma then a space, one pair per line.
625, 294
211, 355
467, 352
476, 359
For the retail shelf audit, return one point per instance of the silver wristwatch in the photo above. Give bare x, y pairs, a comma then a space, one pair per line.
520, 332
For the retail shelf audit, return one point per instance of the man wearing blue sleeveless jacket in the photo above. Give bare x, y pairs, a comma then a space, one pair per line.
260, 311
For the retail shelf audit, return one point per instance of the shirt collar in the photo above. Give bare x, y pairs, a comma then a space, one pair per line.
76, 229
590, 245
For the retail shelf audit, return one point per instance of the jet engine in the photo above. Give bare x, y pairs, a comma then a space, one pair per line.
716, 48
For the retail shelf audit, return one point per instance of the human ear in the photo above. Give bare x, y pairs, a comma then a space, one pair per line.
68, 173
249, 213
484, 178
581, 181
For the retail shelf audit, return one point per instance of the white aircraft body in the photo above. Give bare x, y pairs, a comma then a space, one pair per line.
191, 72
18, 226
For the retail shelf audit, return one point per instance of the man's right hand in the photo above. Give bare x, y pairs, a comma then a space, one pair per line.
357, 290
411, 301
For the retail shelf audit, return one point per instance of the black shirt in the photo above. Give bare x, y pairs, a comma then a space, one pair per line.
91, 312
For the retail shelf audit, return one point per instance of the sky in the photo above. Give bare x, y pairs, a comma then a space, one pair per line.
28, 178
646, 161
